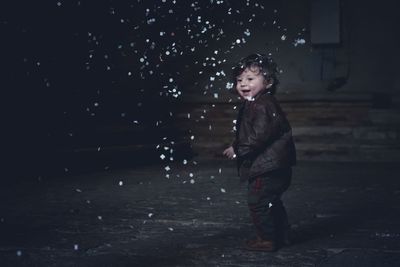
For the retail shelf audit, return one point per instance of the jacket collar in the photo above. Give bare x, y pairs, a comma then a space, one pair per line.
263, 92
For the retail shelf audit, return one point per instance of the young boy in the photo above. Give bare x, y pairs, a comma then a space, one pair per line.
264, 150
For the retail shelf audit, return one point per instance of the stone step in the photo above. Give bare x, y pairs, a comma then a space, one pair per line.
319, 134
350, 114
320, 152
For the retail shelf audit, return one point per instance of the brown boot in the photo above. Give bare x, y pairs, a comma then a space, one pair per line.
252, 241
261, 245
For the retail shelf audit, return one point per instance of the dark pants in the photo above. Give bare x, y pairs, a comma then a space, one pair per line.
265, 204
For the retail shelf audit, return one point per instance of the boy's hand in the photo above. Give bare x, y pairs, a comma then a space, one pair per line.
229, 152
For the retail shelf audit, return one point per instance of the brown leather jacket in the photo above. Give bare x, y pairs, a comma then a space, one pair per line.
263, 137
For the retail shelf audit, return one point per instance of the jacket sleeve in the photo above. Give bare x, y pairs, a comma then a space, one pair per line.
259, 133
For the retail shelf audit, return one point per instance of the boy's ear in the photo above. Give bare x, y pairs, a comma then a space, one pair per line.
269, 83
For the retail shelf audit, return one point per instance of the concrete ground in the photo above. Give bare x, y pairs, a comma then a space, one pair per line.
342, 214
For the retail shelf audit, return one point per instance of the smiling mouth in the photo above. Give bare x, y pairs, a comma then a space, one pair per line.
245, 91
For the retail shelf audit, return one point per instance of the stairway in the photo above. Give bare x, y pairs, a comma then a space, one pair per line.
341, 128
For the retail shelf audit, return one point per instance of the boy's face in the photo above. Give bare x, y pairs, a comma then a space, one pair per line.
251, 82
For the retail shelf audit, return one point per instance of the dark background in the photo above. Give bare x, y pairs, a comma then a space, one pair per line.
81, 77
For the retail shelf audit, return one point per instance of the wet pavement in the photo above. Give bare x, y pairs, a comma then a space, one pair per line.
342, 214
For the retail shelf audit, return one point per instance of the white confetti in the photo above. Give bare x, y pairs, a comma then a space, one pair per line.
120, 183
299, 41
171, 229
229, 85
223, 190
192, 181
167, 168
19, 253
249, 98
162, 156
150, 215
76, 247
